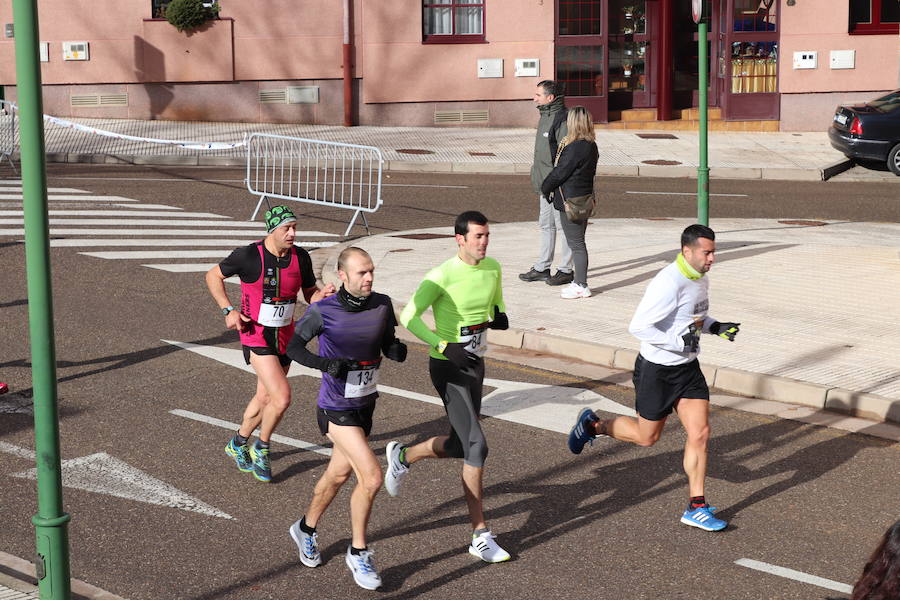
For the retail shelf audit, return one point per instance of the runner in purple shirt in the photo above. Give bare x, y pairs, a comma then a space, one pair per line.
355, 327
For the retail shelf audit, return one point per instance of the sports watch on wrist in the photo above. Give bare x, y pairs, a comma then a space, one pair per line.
227, 310
441, 346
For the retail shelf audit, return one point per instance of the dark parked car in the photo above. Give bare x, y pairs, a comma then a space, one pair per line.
869, 131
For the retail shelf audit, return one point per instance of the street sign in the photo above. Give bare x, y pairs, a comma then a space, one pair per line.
697, 10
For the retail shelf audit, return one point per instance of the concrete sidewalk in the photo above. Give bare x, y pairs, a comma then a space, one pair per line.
794, 156
817, 304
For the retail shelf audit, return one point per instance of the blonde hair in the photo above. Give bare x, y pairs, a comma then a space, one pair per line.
580, 125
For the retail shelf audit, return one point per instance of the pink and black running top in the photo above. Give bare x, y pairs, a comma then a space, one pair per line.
269, 289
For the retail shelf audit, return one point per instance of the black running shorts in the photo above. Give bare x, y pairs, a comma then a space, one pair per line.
359, 417
265, 351
658, 388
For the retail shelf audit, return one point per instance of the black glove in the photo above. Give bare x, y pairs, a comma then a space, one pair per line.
459, 356
337, 367
500, 320
396, 351
691, 339
725, 330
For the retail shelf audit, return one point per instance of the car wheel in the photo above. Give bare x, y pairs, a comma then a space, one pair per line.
893, 161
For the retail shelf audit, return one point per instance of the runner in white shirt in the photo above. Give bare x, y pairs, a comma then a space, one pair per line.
667, 375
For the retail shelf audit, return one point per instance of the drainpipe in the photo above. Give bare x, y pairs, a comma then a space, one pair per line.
348, 64
666, 62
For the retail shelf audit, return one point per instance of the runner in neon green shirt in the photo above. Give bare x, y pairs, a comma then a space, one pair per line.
465, 294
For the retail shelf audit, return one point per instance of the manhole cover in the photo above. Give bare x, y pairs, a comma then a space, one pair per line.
424, 236
804, 223
661, 162
657, 136
481, 153
414, 151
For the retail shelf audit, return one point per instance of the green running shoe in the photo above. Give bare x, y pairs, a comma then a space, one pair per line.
241, 455
262, 469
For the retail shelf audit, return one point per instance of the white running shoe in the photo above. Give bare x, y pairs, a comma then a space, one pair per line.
574, 290
484, 547
363, 569
307, 544
396, 470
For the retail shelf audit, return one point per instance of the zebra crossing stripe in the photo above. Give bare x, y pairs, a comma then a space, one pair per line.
49, 190
69, 197
114, 212
87, 243
149, 206
185, 268
124, 221
161, 254
204, 232
83, 200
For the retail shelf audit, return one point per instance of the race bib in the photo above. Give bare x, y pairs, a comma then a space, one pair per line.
475, 338
276, 314
362, 379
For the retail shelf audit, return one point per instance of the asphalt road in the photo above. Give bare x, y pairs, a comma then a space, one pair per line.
159, 511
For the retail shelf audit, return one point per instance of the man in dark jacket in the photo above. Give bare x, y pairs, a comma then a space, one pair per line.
551, 130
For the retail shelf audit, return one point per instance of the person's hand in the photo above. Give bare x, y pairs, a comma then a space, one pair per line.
725, 330
549, 198
500, 321
691, 339
396, 351
321, 294
235, 320
337, 367
459, 356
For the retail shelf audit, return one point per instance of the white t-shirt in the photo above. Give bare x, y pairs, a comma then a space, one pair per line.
671, 303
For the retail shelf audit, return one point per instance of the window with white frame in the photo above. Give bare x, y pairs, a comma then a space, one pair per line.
453, 21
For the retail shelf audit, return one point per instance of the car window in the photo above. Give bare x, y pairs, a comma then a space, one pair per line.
887, 103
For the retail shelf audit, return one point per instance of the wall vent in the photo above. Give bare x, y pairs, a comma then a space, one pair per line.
84, 100
273, 96
461, 116
113, 99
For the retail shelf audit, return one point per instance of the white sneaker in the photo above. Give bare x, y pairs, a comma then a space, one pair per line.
308, 546
484, 547
574, 290
396, 470
363, 569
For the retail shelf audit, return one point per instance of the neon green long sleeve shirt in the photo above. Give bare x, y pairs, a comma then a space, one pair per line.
459, 295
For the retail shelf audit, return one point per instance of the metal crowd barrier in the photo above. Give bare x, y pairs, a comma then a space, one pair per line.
316, 172
8, 121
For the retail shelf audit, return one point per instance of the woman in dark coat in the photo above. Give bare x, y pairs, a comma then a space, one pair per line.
573, 177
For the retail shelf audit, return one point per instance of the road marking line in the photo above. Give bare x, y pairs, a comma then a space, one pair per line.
281, 439
68, 197
155, 206
115, 213
687, 194
186, 268
17, 451
168, 222
190, 232
795, 575
157, 254
49, 190
191, 180
83, 243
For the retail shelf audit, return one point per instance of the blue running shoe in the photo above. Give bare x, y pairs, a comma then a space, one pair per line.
702, 517
262, 469
579, 435
241, 455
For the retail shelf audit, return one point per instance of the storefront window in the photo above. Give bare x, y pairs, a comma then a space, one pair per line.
754, 67
874, 16
580, 69
580, 17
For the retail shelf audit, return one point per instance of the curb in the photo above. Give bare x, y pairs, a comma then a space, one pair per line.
744, 383
26, 574
403, 166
